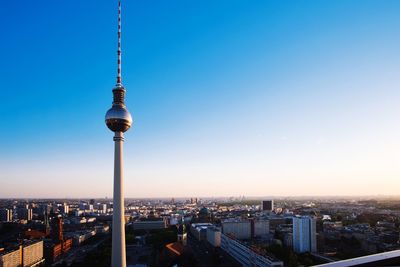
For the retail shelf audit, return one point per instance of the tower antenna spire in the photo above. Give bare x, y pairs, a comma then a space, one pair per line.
119, 79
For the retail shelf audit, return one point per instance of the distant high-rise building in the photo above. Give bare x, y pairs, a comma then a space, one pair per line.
103, 208
65, 208
5, 215
82, 206
54, 209
304, 234
182, 235
267, 205
46, 222
57, 230
24, 214
44, 208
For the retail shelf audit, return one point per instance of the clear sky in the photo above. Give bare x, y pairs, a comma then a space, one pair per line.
229, 97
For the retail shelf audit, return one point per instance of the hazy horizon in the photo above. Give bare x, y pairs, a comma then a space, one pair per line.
374, 197
228, 98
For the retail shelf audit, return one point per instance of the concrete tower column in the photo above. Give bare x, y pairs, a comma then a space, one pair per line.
118, 256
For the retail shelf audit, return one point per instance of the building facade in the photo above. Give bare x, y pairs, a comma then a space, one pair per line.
65, 209
150, 224
30, 254
199, 230
267, 205
245, 255
259, 228
214, 236
304, 234
25, 214
246, 229
240, 229
5, 215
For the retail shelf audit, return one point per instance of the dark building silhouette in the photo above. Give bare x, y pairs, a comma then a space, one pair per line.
59, 245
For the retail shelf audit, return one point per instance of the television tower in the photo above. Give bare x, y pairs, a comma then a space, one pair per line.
118, 120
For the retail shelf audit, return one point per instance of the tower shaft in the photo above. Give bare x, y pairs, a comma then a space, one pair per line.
119, 120
118, 254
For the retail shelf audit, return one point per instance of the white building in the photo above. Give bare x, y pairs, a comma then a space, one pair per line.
64, 209
103, 208
214, 236
150, 224
245, 255
30, 254
246, 229
5, 215
261, 228
12, 258
304, 234
199, 230
240, 229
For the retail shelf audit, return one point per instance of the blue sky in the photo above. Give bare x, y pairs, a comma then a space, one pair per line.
228, 97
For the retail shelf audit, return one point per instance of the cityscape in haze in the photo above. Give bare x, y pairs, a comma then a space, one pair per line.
261, 133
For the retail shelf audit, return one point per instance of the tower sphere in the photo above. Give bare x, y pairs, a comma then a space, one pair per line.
118, 118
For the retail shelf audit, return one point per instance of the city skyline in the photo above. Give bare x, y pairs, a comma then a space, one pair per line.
272, 98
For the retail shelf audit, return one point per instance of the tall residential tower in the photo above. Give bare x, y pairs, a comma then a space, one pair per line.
118, 120
304, 234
